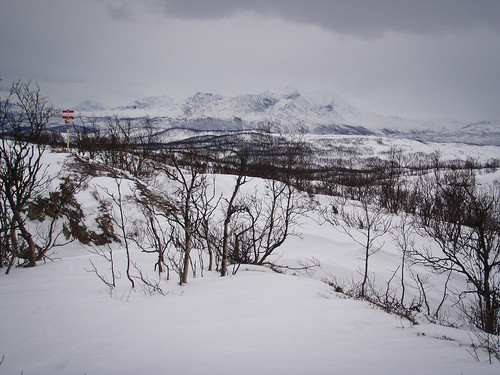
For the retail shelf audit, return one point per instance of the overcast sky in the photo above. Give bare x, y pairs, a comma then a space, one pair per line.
413, 58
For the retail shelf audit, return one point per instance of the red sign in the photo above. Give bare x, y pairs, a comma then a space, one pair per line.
68, 114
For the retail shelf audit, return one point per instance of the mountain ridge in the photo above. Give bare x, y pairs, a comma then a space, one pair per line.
316, 112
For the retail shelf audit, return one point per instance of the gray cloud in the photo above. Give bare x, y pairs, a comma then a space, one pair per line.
365, 18
121, 12
407, 58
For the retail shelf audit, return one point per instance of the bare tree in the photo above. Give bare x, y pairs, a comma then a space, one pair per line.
257, 223
365, 224
392, 187
231, 209
5, 247
208, 229
88, 138
154, 234
404, 238
24, 115
145, 144
186, 172
274, 217
119, 218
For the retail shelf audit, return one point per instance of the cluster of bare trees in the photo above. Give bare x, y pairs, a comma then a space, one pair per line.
116, 143
24, 115
464, 222
186, 221
447, 206
35, 216
391, 175
238, 226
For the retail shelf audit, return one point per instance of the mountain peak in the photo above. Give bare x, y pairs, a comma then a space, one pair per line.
89, 106
204, 97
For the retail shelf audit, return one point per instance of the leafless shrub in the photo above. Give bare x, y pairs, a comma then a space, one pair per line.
304, 267
404, 237
487, 342
120, 220
148, 286
365, 225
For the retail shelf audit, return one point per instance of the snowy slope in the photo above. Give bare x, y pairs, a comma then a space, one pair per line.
58, 318
252, 323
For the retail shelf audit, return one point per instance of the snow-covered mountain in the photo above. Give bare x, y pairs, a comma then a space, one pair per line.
293, 111
89, 106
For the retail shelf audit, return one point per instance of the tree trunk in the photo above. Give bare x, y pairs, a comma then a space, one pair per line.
488, 315
225, 245
227, 221
210, 256
367, 253
28, 238
185, 267
365, 276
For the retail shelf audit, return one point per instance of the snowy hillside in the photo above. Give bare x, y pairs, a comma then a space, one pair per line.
256, 322
59, 318
480, 133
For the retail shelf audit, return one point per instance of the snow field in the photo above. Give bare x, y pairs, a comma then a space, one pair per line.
256, 322
58, 318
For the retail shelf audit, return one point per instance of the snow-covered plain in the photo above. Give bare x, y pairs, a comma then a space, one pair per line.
350, 147
58, 318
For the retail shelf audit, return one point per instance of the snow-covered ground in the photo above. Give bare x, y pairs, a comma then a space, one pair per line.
58, 318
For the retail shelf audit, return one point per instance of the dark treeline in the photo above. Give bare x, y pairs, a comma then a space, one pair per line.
268, 151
